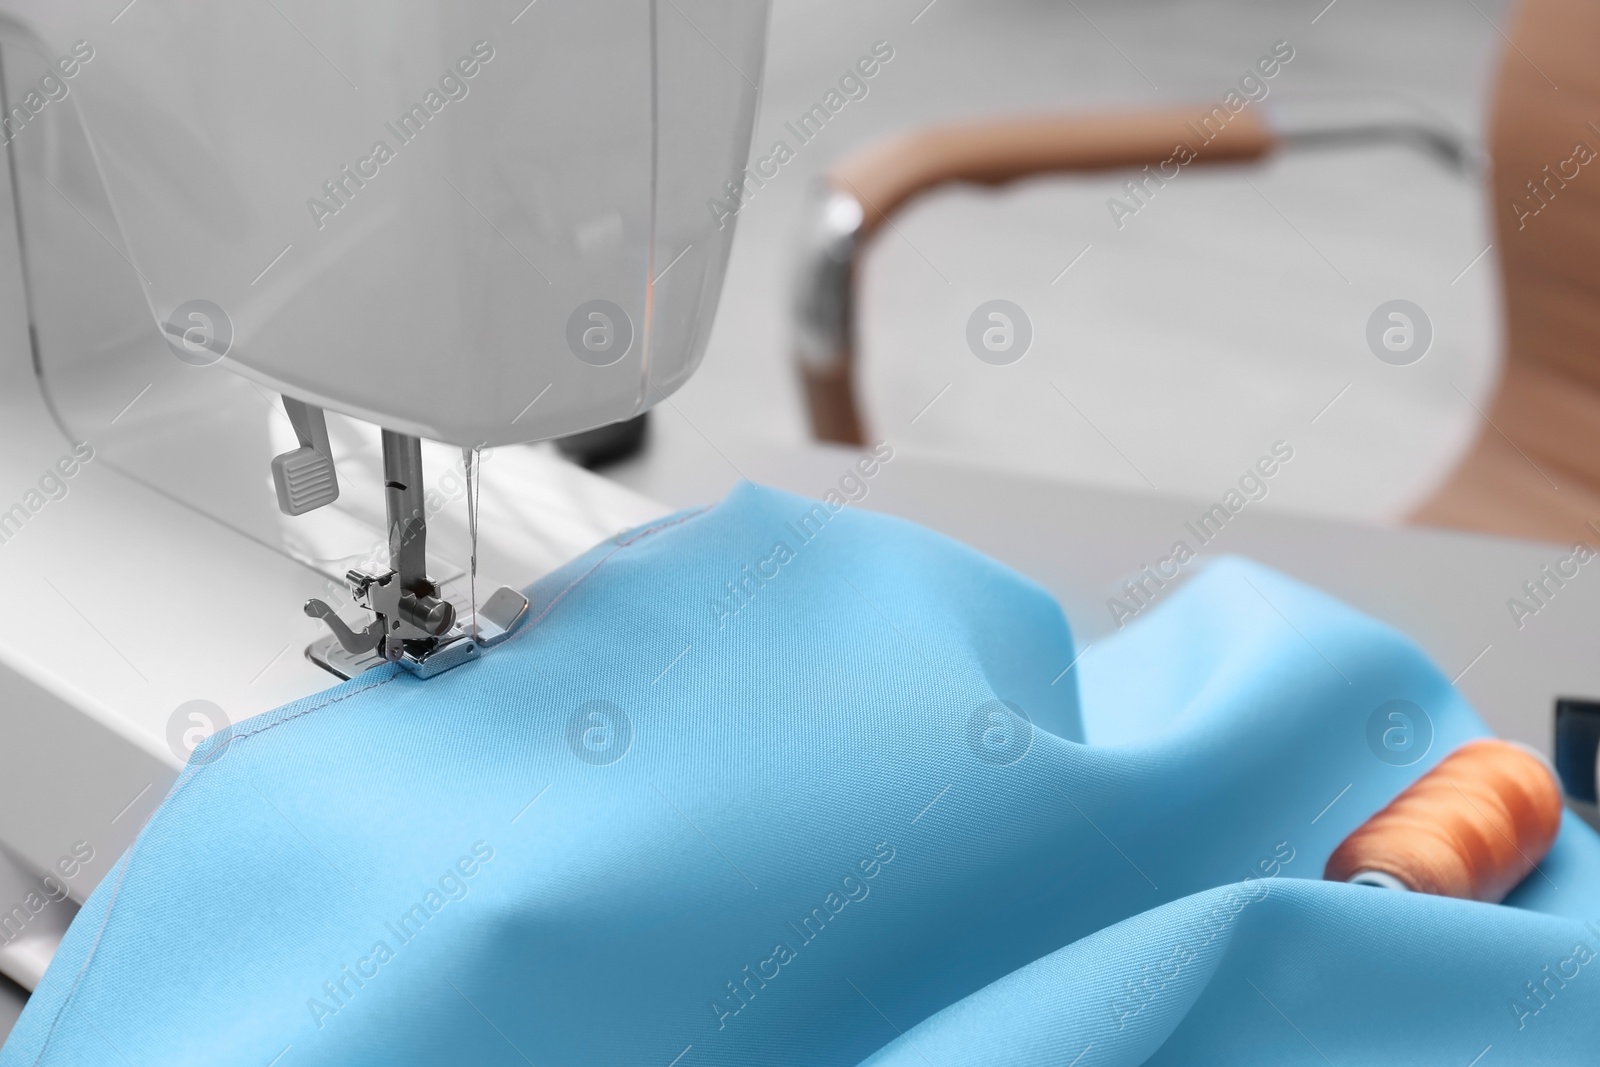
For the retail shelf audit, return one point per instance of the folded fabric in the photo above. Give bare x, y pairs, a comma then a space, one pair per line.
1289, 972
783, 783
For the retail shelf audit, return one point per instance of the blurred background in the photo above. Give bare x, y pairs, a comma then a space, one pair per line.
1228, 314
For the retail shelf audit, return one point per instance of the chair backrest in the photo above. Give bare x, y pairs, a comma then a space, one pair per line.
1546, 193
1534, 470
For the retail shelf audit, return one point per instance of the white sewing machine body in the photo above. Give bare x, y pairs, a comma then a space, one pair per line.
480, 228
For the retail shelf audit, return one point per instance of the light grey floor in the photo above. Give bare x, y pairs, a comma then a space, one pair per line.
1223, 317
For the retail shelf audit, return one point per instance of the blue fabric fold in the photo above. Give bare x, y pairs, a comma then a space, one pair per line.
1289, 972
784, 783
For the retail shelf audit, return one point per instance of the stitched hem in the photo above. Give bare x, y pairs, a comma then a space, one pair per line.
192, 770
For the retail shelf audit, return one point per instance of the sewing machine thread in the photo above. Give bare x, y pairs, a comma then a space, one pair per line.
1473, 827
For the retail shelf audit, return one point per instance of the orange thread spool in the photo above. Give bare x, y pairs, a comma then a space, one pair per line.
1473, 827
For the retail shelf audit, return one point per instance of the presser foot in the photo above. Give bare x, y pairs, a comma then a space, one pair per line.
411, 624
346, 653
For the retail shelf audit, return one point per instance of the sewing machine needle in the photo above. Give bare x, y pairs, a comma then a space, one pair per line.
469, 463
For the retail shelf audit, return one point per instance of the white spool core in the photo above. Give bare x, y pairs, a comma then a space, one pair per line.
1381, 879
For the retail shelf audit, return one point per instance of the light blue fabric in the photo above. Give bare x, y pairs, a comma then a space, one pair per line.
676, 823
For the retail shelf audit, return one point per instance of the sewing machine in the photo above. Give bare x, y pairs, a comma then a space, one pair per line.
284, 291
